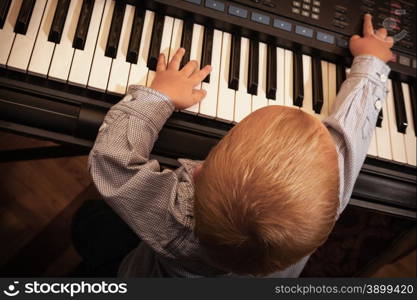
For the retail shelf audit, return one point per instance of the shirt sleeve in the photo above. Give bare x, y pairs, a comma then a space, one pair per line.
133, 185
353, 118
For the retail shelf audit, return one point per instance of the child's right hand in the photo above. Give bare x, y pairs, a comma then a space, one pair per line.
376, 44
179, 85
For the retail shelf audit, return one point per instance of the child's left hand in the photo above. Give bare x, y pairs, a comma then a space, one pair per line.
179, 85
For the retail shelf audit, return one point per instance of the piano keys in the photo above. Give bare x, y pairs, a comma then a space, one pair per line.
105, 46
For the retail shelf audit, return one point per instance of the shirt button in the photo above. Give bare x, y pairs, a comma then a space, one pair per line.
378, 104
383, 77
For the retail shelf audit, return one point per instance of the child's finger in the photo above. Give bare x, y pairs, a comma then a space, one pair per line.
199, 76
161, 64
355, 37
175, 62
189, 68
382, 33
368, 29
198, 95
390, 41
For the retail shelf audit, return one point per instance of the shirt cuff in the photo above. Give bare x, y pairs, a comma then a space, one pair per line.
149, 103
372, 67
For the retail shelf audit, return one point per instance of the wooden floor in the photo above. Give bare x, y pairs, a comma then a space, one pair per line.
36, 207
38, 199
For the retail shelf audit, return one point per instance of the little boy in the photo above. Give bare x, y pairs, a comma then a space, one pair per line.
267, 195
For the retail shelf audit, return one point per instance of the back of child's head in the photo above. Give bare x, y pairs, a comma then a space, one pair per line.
267, 194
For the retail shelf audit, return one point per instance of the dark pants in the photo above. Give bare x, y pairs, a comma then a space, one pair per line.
101, 238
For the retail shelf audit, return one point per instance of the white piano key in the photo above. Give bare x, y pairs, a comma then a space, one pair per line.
208, 106
326, 86
165, 45
176, 37
195, 54
139, 71
409, 138
23, 44
243, 101
397, 138
7, 34
259, 100
81, 63
308, 85
383, 136
288, 79
62, 57
332, 86
40, 59
279, 99
101, 65
120, 68
226, 96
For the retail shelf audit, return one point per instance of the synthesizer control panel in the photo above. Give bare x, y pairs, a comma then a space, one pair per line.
315, 26
345, 16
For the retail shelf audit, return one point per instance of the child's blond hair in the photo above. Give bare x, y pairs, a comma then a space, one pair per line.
267, 194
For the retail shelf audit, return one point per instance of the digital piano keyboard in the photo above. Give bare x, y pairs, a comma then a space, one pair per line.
65, 63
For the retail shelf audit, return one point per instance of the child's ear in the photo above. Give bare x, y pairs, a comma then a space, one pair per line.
197, 171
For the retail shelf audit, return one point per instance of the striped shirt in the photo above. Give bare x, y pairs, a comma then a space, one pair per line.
158, 205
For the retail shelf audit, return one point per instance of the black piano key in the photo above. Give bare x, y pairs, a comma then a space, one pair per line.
186, 38
115, 29
155, 46
379, 119
271, 75
23, 19
317, 85
58, 22
413, 99
135, 35
234, 67
298, 82
400, 114
340, 76
4, 10
207, 49
253, 74
83, 24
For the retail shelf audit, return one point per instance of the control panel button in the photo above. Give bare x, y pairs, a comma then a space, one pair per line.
260, 18
325, 37
268, 3
315, 10
405, 61
304, 31
316, 3
342, 43
194, 1
305, 13
296, 10
339, 24
238, 11
315, 16
296, 3
306, 6
214, 4
281, 24
340, 8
